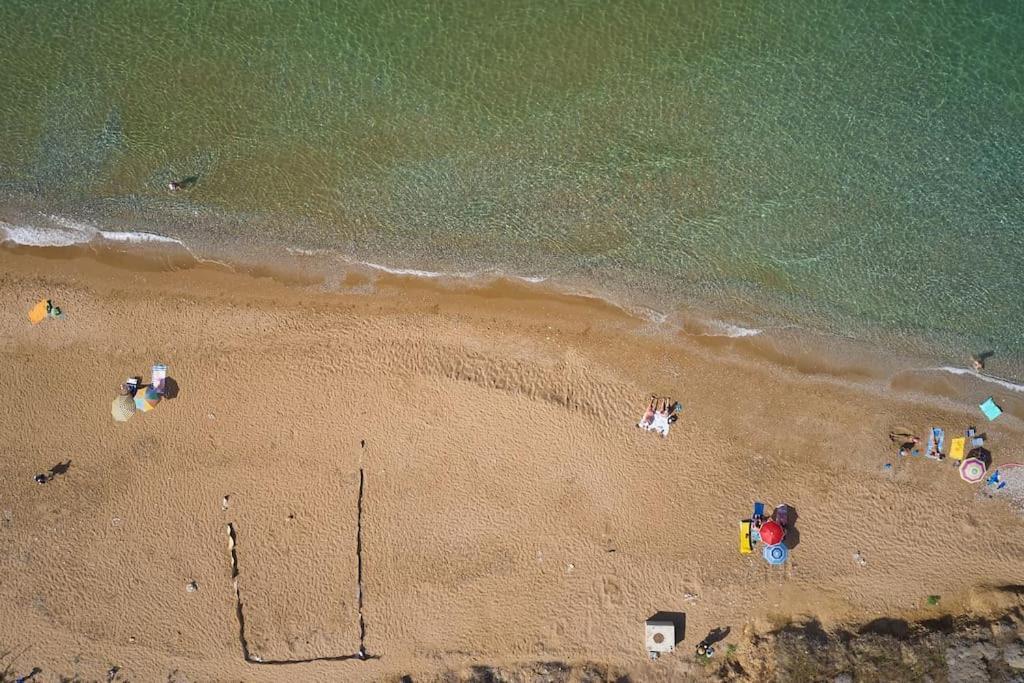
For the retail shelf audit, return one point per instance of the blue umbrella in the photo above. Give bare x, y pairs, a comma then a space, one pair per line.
776, 554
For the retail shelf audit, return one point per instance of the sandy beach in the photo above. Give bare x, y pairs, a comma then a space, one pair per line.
477, 447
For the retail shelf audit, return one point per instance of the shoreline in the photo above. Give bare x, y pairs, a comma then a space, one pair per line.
692, 315
794, 349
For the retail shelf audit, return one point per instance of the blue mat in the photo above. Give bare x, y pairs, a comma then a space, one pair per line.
990, 410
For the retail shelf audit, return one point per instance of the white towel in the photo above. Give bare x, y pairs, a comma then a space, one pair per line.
660, 424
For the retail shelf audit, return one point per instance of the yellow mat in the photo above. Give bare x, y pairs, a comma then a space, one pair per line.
745, 537
38, 313
956, 449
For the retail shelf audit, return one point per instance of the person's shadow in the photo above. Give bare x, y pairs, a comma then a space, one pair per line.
59, 469
31, 676
792, 538
717, 635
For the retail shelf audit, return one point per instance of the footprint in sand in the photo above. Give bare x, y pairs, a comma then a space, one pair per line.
611, 593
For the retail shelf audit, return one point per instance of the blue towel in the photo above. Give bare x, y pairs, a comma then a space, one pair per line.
990, 409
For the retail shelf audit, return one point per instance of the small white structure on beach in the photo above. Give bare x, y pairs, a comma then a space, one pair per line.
660, 637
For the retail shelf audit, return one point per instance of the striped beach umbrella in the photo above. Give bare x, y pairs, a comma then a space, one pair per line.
146, 399
122, 408
776, 554
972, 470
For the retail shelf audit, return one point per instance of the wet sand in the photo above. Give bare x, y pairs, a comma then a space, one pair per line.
511, 510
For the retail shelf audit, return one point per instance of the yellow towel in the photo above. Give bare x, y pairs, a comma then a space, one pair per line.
956, 449
38, 312
745, 537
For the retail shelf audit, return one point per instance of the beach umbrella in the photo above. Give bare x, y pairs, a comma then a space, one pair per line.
776, 554
771, 532
982, 454
146, 399
122, 408
972, 470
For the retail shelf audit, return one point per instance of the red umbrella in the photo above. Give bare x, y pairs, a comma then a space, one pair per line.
771, 532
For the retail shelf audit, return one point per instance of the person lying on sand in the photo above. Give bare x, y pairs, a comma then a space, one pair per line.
903, 437
660, 421
660, 414
645, 421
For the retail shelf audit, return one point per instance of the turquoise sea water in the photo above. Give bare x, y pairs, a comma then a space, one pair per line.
852, 167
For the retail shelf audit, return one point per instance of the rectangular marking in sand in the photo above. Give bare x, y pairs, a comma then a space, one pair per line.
298, 569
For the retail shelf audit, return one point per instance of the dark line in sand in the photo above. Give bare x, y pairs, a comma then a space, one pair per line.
359, 566
232, 546
252, 659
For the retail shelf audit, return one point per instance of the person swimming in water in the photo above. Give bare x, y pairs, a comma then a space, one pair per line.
183, 184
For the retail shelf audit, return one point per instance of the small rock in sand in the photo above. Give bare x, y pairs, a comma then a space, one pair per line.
192, 586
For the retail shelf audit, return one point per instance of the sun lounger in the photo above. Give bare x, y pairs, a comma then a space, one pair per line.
745, 547
759, 509
956, 448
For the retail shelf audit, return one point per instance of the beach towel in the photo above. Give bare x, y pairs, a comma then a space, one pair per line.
39, 312
936, 440
159, 375
990, 409
660, 424
745, 547
956, 448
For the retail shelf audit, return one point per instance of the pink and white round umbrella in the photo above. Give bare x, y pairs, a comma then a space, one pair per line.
972, 470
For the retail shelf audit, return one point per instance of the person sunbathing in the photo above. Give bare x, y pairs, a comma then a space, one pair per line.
645, 421
660, 421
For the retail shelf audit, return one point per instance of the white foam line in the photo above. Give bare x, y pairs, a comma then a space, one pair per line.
139, 238
297, 251
456, 275
1005, 383
72, 232
417, 273
31, 236
730, 330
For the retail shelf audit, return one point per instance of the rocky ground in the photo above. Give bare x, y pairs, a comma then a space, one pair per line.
987, 645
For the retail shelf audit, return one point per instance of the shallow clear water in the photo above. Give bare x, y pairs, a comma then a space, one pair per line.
853, 168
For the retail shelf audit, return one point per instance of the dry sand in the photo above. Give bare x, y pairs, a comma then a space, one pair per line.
512, 512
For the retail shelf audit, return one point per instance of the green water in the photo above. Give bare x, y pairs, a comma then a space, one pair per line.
855, 167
